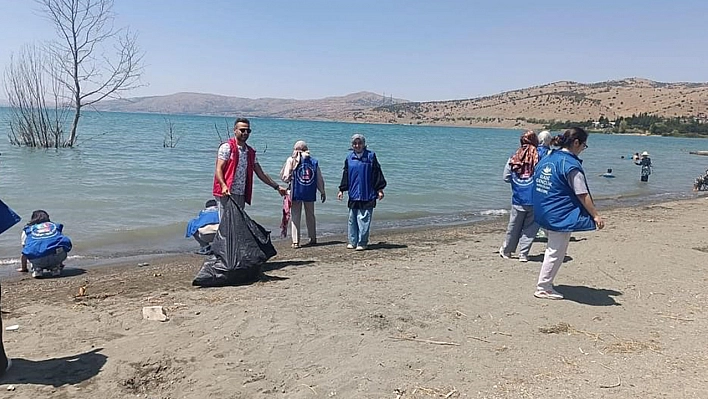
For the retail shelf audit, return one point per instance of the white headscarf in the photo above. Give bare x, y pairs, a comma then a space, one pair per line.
300, 150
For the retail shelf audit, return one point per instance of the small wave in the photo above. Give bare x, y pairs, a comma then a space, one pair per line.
494, 212
15, 261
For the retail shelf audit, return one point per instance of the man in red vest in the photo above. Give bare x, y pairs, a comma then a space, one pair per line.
235, 164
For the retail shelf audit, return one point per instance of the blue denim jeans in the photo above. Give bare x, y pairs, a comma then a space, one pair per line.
358, 226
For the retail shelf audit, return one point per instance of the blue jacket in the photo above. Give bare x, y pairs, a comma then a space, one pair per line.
206, 216
304, 180
360, 175
555, 205
44, 239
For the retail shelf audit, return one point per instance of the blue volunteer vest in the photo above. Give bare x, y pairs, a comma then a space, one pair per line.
304, 181
542, 151
206, 216
44, 239
360, 171
521, 190
555, 205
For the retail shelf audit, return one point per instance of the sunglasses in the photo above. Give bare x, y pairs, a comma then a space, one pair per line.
244, 130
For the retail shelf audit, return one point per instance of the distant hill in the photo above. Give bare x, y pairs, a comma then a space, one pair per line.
211, 104
559, 101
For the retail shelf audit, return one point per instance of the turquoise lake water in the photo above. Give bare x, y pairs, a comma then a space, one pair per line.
120, 193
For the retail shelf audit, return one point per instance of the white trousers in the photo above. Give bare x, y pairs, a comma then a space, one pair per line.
556, 249
296, 216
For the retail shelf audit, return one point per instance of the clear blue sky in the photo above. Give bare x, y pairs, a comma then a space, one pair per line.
414, 49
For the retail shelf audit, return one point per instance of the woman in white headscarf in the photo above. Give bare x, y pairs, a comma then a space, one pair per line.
302, 171
364, 182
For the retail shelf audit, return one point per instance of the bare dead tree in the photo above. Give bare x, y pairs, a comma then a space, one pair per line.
218, 132
34, 121
171, 138
88, 70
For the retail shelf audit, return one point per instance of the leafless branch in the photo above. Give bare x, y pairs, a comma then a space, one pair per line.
96, 60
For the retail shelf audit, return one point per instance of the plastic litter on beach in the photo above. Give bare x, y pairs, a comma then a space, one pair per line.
13, 327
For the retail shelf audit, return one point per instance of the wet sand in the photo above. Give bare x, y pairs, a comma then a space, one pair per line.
426, 313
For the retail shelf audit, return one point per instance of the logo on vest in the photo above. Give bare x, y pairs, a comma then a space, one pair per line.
43, 230
543, 181
305, 175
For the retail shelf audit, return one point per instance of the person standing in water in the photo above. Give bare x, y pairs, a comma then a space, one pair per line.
645, 163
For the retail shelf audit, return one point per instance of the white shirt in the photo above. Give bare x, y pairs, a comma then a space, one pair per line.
238, 186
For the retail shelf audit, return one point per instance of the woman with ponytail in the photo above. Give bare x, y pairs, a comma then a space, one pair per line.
562, 204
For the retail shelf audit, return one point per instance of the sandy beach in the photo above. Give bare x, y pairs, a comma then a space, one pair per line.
427, 313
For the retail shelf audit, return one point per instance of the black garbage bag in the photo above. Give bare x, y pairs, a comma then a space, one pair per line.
240, 247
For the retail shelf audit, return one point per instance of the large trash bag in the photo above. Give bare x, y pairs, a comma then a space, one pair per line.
240, 247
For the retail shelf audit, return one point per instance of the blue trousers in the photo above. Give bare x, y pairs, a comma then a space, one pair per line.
358, 226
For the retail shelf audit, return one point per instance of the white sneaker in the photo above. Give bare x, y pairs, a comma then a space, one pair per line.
37, 273
504, 255
523, 258
360, 248
548, 294
350, 246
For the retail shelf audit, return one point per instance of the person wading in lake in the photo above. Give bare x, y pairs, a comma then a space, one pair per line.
518, 171
562, 204
235, 164
645, 163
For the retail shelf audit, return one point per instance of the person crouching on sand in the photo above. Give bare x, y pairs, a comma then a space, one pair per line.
44, 245
363, 178
302, 172
518, 171
562, 204
203, 228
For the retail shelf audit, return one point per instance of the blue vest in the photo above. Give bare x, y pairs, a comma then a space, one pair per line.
360, 171
521, 190
206, 216
542, 151
44, 239
555, 205
304, 181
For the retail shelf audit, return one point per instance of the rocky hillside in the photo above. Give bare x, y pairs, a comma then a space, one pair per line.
559, 101
211, 104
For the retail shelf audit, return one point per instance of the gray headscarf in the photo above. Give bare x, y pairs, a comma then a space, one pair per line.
360, 137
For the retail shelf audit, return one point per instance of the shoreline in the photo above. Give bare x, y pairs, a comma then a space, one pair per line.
484, 218
425, 312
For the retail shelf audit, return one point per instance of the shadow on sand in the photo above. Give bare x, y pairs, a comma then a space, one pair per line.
69, 370
572, 239
589, 296
324, 243
268, 266
386, 245
539, 258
